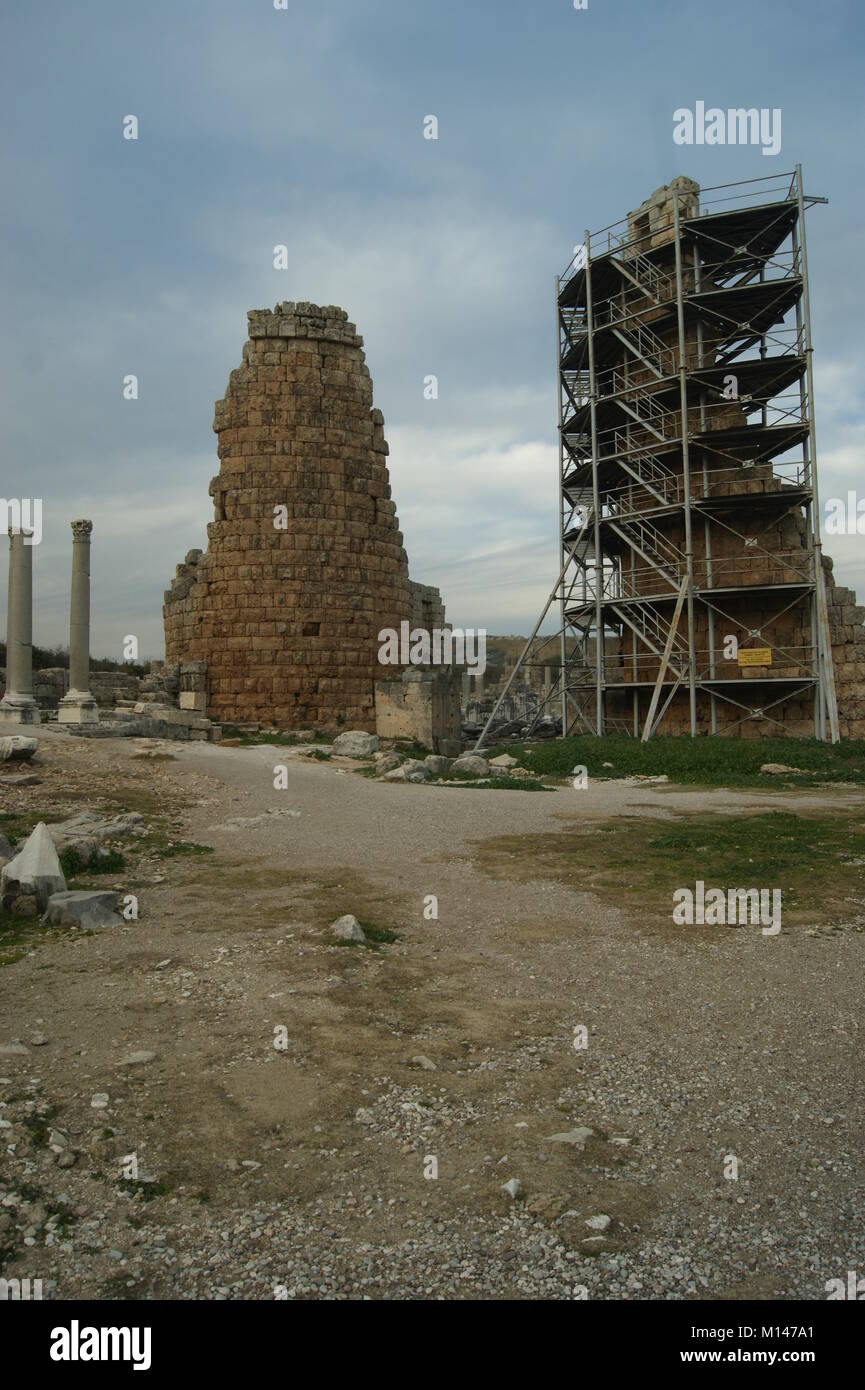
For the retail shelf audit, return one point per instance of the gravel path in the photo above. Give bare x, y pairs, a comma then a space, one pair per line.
306, 1170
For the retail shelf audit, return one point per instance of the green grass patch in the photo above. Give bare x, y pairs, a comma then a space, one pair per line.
18, 936
39, 1127
174, 848
284, 738
495, 784
712, 762
376, 936
818, 862
136, 1187
410, 748
73, 865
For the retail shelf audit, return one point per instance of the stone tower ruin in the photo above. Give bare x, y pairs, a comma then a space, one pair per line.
305, 561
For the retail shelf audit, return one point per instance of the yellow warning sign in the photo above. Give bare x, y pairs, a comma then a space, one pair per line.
755, 656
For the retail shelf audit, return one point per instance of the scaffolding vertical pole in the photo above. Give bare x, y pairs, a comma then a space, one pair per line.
819, 711
828, 672
707, 527
596, 504
561, 510
686, 469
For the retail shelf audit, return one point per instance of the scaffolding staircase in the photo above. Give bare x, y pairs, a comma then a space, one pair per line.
654, 632
652, 546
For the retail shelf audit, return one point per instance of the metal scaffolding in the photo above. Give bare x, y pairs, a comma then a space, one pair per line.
689, 504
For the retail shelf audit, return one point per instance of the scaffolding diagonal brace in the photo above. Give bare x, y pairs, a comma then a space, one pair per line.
665, 659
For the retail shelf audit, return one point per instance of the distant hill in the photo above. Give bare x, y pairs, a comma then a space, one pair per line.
59, 656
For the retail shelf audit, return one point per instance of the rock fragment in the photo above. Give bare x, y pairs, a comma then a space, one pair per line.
84, 909
17, 748
347, 928
355, 743
473, 764
576, 1137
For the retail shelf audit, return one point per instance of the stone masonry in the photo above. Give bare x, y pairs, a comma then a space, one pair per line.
305, 561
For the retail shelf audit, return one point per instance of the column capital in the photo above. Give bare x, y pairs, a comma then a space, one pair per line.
81, 530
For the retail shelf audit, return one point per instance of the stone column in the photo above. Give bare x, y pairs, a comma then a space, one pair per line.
18, 705
79, 706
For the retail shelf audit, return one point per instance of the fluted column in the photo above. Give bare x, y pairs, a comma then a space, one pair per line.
18, 705
79, 706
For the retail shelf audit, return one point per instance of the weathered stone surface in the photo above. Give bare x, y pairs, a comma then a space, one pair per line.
305, 562
503, 760
85, 831
387, 762
24, 779
411, 771
347, 928
355, 744
17, 747
422, 704
600, 1222
436, 764
473, 764
35, 869
576, 1137
416, 765
79, 908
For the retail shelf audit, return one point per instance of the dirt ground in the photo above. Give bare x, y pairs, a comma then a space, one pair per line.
333, 1121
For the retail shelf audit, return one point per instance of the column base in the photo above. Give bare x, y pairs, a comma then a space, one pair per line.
19, 709
78, 707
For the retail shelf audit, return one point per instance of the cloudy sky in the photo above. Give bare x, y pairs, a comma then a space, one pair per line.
304, 126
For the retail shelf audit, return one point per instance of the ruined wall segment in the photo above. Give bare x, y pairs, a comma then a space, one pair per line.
285, 606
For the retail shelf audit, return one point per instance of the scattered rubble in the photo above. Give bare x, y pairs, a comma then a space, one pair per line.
85, 831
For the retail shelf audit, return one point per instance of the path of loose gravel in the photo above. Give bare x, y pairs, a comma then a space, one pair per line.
302, 1171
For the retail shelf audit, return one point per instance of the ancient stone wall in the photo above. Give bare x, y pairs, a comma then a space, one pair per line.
305, 561
423, 705
427, 608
